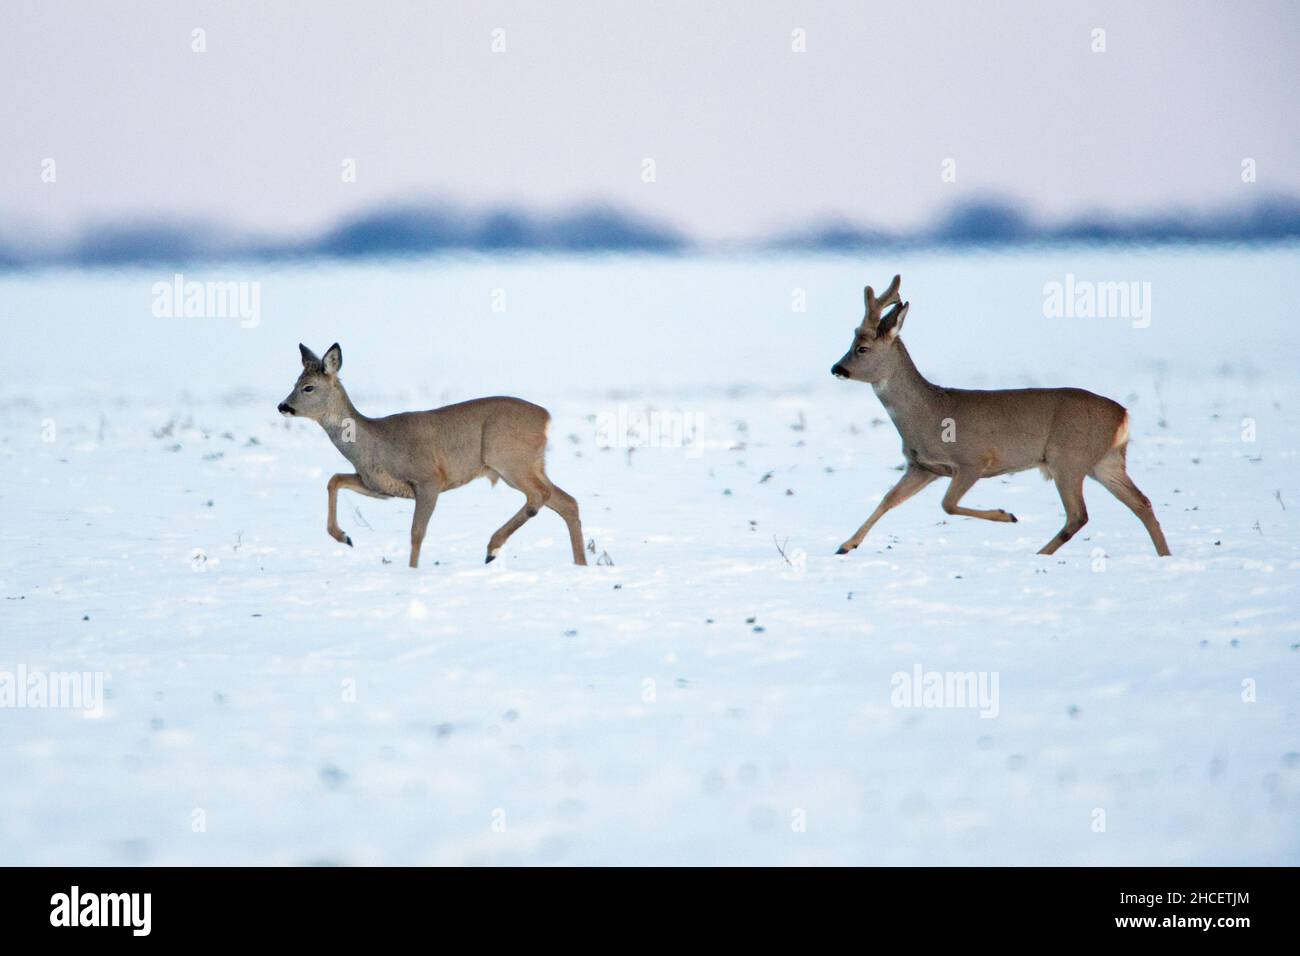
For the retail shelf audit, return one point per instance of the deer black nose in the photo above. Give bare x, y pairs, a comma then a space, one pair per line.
285, 408
839, 371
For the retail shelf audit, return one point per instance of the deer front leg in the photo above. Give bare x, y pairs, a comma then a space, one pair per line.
961, 483
426, 497
913, 480
341, 481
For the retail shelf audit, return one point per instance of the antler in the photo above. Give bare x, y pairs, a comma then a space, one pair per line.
874, 305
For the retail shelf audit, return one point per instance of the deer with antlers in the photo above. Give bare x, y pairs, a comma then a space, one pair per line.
965, 435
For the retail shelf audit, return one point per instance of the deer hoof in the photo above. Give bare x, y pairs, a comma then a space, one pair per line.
489, 559
347, 539
843, 550
1012, 518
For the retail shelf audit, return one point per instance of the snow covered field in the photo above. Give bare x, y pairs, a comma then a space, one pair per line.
273, 697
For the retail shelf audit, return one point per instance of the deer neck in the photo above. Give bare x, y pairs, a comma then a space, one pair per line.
903, 391
345, 426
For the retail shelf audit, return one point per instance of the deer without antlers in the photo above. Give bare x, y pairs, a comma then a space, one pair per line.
422, 454
966, 435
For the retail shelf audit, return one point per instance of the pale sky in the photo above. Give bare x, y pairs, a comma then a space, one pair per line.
747, 135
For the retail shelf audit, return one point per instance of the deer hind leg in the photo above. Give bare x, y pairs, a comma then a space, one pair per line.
1113, 474
353, 483
960, 484
913, 480
1070, 488
564, 505
536, 490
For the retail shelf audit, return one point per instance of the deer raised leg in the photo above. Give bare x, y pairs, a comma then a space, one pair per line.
332, 524
336, 484
961, 483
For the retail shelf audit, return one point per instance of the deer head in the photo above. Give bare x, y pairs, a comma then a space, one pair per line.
874, 338
317, 391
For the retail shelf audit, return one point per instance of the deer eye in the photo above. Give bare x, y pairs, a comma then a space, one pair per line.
309, 388
863, 348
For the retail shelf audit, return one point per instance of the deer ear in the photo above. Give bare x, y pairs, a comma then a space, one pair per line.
333, 360
308, 356
892, 322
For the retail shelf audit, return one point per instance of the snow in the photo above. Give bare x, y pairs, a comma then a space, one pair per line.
274, 697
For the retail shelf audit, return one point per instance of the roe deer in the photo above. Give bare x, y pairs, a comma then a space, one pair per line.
967, 435
422, 454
